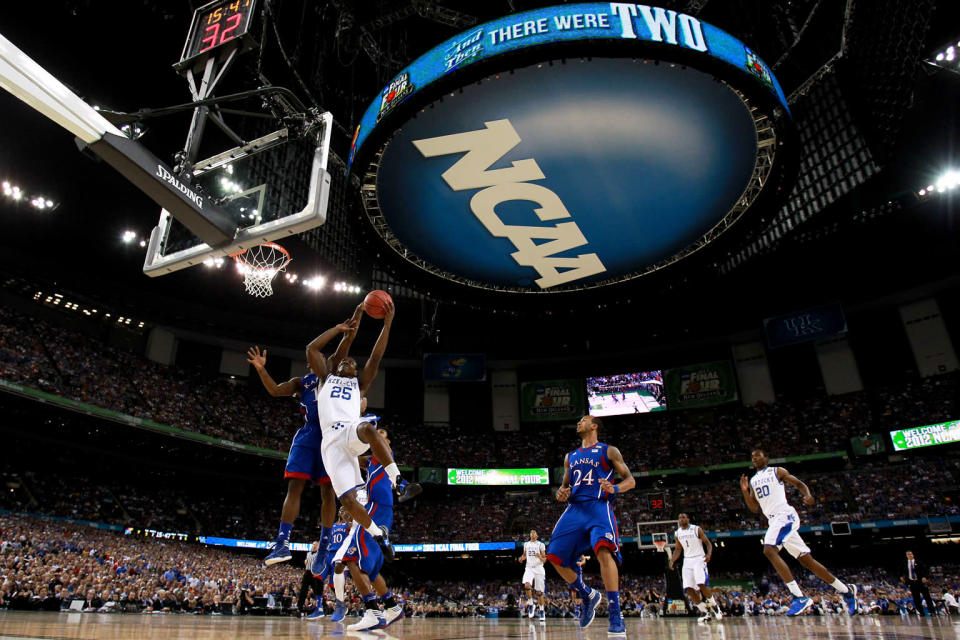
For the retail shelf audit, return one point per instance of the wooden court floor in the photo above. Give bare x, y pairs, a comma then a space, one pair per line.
29, 625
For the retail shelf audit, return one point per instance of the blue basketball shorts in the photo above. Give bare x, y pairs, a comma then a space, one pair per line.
584, 526
304, 460
364, 551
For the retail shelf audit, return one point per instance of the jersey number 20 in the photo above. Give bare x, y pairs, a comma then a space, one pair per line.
763, 491
340, 392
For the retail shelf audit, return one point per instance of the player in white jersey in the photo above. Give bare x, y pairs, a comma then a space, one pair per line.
535, 574
765, 491
345, 436
690, 541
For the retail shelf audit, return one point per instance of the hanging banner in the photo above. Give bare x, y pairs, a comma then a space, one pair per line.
803, 326
700, 385
546, 400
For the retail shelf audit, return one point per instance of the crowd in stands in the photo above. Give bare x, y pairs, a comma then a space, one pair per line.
69, 363
56, 566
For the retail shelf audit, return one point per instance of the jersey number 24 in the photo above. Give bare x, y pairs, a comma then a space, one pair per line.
586, 479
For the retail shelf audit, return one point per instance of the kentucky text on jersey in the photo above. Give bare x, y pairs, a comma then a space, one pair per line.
769, 491
587, 468
338, 401
690, 541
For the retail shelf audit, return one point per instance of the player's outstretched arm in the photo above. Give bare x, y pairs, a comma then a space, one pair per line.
259, 361
627, 481
563, 493
707, 545
370, 370
784, 476
748, 496
315, 349
343, 349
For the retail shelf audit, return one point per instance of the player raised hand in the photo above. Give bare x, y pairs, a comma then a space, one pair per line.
563, 494
389, 310
744, 483
808, 499
256, 358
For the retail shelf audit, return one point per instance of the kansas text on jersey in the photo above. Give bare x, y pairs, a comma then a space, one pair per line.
587, 467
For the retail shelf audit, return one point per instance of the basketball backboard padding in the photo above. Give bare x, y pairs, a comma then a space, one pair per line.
191, 207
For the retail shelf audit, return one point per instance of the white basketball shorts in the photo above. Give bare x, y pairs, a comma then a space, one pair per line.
339, 451
695, 573
782, 533
535, 577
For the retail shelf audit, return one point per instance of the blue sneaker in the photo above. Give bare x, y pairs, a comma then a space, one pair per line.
589, 609
280, 553
384, 543
339, 612
799, 605
850, 597
576, 611
319, 561
618, 628
407, 490
316, 613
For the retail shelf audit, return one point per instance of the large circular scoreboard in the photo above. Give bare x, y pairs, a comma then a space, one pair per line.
570, 148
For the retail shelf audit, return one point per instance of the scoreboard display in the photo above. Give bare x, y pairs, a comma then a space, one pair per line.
214, 25
657, 501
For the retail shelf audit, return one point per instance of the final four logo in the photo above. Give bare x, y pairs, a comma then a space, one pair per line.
756, 66
394, 94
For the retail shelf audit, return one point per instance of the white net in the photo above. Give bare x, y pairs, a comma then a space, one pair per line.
259, 265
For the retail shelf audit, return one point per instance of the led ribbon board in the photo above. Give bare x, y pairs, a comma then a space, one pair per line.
927, 436
570, 147
498, 477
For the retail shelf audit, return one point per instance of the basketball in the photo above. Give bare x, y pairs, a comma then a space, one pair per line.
375, 304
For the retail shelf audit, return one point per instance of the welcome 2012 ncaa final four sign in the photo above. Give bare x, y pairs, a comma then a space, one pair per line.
570, 147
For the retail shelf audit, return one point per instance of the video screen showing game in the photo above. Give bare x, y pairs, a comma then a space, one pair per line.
625, 393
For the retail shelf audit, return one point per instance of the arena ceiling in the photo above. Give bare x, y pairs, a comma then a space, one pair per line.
870, 239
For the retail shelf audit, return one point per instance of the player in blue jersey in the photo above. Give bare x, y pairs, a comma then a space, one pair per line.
304, 462
589, 521
323, 566
363, 557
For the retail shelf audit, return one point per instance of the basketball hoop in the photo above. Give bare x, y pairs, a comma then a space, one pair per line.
259, 265
661, 545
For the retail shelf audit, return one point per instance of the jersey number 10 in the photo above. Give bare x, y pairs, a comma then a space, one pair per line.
340, 392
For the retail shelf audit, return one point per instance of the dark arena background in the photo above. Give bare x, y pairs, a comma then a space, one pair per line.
715, 225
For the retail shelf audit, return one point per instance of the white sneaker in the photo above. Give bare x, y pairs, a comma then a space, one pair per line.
543, 615
533, 612
704, 619
717, 613
393, 614
371, 620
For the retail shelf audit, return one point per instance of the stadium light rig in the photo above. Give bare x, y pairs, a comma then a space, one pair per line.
15, 193
947, 57
948, 181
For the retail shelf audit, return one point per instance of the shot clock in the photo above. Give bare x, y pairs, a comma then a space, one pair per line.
656, 501
214, 25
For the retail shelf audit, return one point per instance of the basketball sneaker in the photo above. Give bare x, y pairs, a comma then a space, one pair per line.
407, 490
383, 542
316, 613
799, 605
339, 612
705, 618
717, 613
576, 611
316, 568
850, 597
618, 628
280, 553
543, 615
532, 612
393, 614
589, 609
372, 619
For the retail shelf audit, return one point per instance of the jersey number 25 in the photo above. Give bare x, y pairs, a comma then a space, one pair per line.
340, 392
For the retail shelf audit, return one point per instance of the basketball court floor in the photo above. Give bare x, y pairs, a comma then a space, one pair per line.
29, 625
